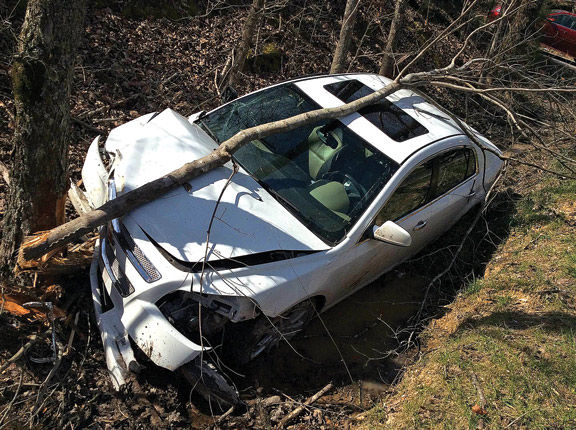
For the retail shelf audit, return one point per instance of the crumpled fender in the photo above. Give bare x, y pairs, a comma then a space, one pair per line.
95, 176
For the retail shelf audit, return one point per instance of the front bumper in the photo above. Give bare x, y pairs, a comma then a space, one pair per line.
142, 321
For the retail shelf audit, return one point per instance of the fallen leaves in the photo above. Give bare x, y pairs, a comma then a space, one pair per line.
479, 410
14, 305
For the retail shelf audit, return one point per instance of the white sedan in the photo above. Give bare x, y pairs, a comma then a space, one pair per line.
245, 255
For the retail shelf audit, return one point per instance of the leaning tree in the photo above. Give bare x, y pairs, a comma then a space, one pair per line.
462, 72
41, 77
346, 32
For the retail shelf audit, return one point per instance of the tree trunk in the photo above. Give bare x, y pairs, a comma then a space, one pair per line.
523, 20
343, 46
246, 41
41, 78
388, 63
495, 42
512, 32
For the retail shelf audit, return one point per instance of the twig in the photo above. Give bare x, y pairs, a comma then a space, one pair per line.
460, 246
225, 415
87, 126
520, 416
72, 333
50, 316
3, 302
301, 408
9, 407
23, 350
480, 396
204, 261
111, 106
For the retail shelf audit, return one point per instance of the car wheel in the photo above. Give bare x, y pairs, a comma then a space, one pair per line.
264, 333
212, 385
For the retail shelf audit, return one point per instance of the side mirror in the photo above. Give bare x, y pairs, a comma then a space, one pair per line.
390, 232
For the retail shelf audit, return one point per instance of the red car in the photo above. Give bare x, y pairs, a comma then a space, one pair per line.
494, 13
560, 32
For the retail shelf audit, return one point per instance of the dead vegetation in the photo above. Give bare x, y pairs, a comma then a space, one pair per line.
71, 389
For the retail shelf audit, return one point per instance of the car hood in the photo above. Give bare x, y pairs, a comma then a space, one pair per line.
248, 219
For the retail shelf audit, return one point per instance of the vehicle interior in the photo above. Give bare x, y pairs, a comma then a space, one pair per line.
324, 173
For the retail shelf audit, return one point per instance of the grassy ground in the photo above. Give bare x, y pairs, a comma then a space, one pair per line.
504, 356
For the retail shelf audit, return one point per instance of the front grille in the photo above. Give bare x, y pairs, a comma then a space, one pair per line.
105, 299
119, 279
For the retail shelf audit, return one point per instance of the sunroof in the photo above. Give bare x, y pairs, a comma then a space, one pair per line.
388, 117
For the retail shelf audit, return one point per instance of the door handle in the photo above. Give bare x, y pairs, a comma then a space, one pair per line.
420, 225
472, 194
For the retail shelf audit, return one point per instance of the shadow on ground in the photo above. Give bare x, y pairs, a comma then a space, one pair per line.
353, 341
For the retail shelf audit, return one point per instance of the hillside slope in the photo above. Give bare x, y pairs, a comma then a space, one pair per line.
505, 353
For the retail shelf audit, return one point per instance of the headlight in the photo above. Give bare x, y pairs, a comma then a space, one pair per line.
189, 317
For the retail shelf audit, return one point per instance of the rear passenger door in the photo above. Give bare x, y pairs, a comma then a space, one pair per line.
433, 197
562, 40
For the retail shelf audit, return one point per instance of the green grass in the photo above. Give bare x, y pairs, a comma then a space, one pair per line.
515, 329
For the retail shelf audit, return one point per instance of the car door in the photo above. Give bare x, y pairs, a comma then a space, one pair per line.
454, 184
428, 201
559, 34
369, 258
571, 37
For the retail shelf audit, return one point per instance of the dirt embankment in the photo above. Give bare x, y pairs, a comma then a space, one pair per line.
504, 354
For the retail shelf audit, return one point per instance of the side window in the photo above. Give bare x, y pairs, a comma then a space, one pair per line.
453, 168
410, 195
563, 20
428, 181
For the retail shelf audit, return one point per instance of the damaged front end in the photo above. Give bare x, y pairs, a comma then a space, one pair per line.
172, 327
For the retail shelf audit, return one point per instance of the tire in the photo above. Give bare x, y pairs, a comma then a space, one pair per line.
253, 338
212, 385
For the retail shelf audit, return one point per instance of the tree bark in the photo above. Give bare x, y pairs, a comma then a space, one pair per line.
246, 41
41, 79
523, 20
387, 64
343, 46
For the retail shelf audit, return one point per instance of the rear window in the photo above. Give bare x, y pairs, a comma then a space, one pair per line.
388, 117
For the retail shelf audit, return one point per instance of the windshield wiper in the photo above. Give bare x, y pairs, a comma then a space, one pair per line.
279, 196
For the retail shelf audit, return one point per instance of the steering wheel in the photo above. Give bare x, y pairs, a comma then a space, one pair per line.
354, 189
338, 166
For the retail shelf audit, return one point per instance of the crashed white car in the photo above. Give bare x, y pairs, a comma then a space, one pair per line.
307, 218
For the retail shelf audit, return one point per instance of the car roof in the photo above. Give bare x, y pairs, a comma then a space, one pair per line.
438, 123
561, 12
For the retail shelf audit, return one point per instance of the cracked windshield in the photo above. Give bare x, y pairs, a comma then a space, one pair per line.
324, 173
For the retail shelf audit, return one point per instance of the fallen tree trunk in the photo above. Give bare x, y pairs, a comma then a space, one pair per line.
43, 242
